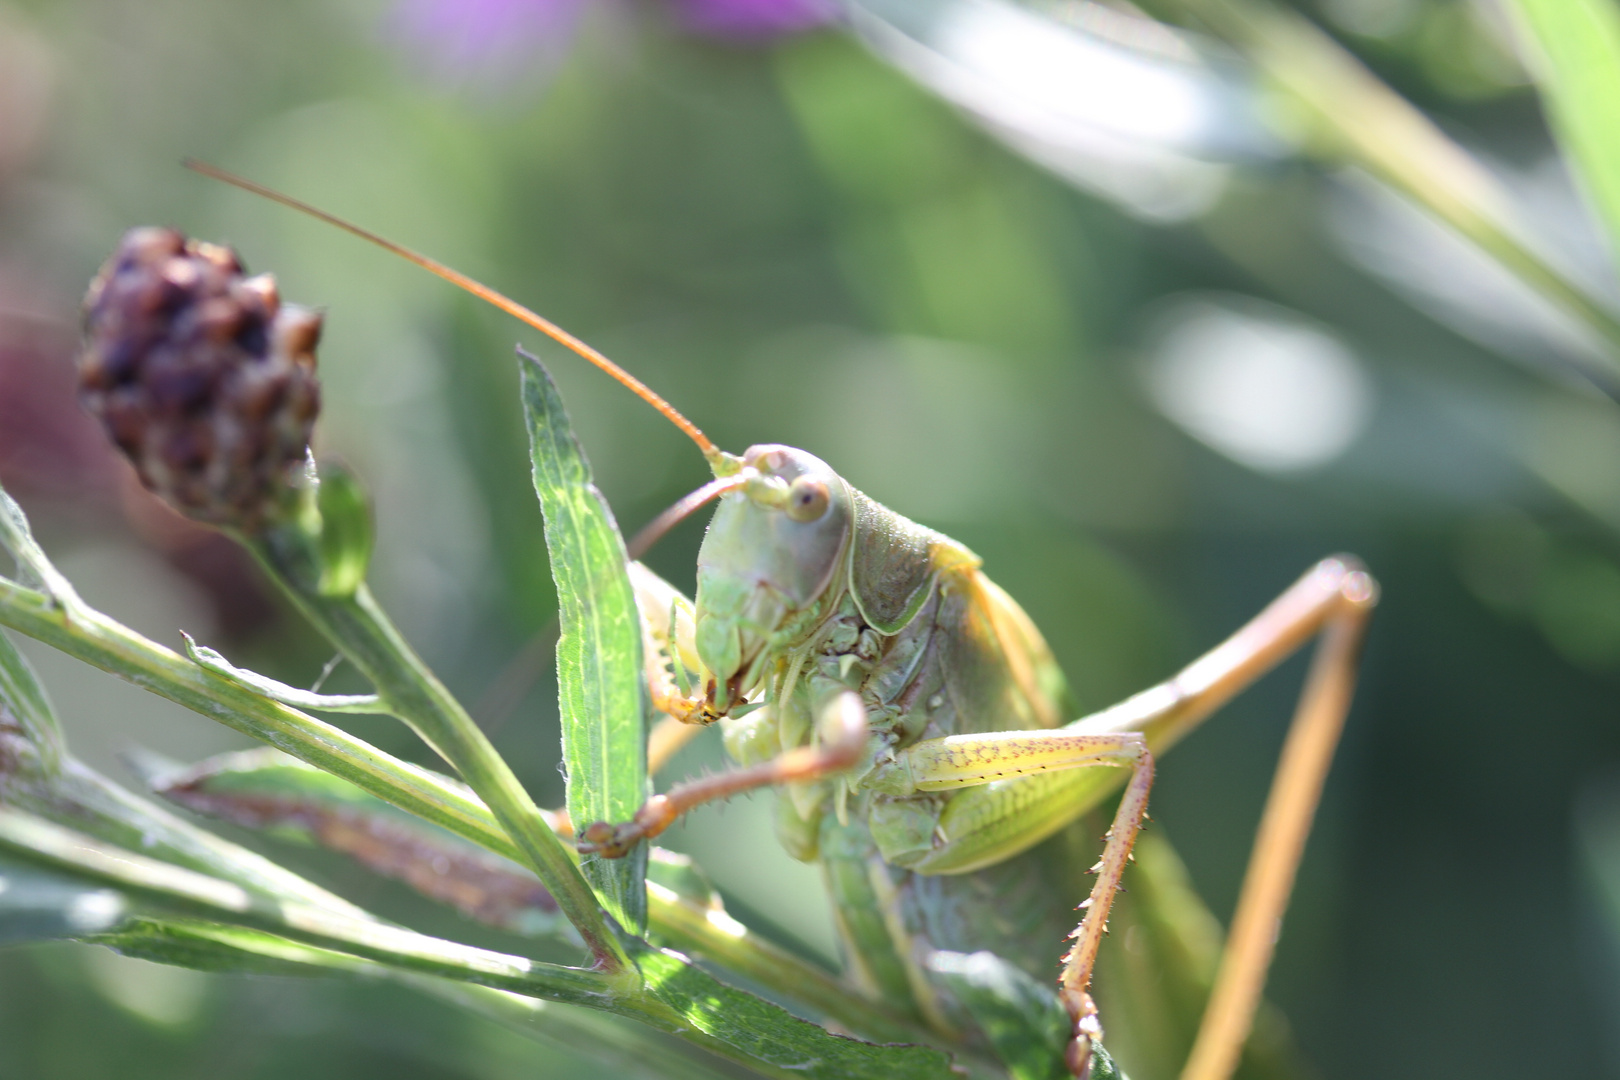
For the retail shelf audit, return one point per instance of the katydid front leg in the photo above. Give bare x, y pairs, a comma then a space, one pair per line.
668, 652
841, 742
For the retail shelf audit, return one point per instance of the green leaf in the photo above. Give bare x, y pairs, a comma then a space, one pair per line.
346, 531
23, 702
266, 789
599, 678
1103, 1067
38, 905
1574, 52
214, 663
80, 798
774, 1037
1021, 1017
185, 891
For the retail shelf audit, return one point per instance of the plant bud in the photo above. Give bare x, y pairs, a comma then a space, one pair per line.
201, 376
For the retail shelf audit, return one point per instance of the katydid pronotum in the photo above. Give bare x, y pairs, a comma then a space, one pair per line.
922, 728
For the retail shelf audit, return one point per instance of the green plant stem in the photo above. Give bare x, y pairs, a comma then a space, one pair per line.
359, 628
98, 640
107, 644
323, 927
172, 889
1354, 118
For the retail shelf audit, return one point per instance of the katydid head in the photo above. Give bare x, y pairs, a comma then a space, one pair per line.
767, 562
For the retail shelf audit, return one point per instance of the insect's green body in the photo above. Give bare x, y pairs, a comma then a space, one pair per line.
795, 612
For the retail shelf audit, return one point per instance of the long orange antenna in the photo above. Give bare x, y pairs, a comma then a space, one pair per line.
556, 333
655, 529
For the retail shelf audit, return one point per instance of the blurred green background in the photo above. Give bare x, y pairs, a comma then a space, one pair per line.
1149, 416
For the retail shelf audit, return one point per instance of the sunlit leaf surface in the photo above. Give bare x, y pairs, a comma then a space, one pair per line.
599, 690
774, 1036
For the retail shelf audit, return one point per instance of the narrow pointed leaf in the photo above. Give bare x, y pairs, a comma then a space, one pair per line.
188, 893
80, 798
205, 946
36, 568
1022, 1018
774, 1037
1104, 1067
346, 531
599, 680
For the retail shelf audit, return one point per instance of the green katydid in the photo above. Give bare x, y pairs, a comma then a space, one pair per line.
924, 731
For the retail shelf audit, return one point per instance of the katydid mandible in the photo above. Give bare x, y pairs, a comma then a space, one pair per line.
922, 729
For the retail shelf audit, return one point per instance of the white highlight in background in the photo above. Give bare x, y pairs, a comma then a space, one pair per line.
1258, 383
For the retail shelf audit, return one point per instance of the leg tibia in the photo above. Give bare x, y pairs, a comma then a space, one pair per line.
1082, 957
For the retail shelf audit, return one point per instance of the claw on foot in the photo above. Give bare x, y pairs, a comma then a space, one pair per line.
616, 841
1086, 1030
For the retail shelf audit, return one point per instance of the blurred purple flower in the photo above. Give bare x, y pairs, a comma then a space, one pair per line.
753, 19
497, 42
485, 42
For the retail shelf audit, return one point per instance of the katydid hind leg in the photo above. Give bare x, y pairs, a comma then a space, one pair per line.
1338, 613
1333, 600
1280, 841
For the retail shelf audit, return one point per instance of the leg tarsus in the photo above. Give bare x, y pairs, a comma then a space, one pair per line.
1085, 1028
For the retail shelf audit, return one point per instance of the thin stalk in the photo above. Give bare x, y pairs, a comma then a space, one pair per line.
359, 628
209, 897
100, 641
103, 643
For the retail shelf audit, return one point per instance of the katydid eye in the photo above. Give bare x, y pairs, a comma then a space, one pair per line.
807, 499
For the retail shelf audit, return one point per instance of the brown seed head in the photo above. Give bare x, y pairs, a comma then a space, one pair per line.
201, 376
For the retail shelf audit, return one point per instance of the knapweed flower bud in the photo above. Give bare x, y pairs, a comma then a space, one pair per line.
203, 378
